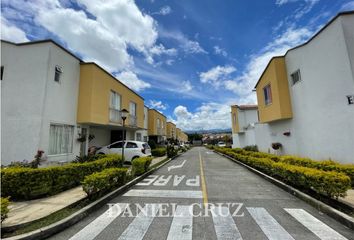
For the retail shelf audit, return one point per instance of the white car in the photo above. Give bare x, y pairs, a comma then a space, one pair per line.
132, 149
221, 144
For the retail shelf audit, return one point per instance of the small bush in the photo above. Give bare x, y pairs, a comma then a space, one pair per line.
171, 151
152, 144
101, 182
4, 208
252, 148
88, 158
30, 183
140, 165
158, 152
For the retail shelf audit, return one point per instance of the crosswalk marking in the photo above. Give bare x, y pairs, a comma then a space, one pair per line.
181, 227
321, 230
271, 228
100, 223
224, 225
138, 228
163, 193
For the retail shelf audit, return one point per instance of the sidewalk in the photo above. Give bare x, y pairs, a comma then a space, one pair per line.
28, 211
349, 199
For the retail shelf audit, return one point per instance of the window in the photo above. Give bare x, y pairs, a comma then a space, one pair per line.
2, 71
234, 116
132, 108
267, 94
138, 136
158, 123
115, 100
131, 145
116, 145
145, 138
296, 76
58, 72
60, 139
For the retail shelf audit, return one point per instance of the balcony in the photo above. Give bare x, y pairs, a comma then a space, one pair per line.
133, 121
115, 116
160, 131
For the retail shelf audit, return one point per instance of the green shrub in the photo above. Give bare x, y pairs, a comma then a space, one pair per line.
152, 144
158, 152
4, 208
101, 182
171, 151
88, 158
140, 165
252, 148
29, 183
330, 183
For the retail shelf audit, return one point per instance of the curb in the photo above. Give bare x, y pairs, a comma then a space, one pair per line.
56, 227
330, 211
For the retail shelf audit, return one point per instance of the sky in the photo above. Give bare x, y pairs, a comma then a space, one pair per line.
189, 59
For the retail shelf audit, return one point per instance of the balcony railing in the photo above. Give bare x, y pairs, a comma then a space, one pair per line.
133, 120
115, 116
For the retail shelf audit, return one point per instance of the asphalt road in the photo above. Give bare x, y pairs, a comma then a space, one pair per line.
201, 195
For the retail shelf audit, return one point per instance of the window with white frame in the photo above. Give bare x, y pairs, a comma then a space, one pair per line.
295, 77
158, 123
267, 94
115, 101
132, 108
138, 136
60, 139
234, 116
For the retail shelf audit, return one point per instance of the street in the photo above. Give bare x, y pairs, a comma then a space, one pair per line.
176, 198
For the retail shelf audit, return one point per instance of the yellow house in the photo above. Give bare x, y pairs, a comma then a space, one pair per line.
184, 137
178, 134
101, 99
156, 126
273, 92
171, 130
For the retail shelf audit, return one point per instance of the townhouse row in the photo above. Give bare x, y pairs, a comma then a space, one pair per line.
305, 99
53, 101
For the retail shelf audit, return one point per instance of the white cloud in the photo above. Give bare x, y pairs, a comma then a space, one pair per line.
348, 6
207, 116
12, 33
186, 86
132, 81
159, 50
158, 105
216, 75
220, 51
305, 7
165, 10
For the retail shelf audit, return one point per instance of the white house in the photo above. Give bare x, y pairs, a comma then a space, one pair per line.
305, 98
40, 82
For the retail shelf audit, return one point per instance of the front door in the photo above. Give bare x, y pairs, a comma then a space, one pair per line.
116, 135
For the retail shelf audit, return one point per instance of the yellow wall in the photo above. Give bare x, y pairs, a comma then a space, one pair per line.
94, 96
178, 134
171, 130
235, 124
152, 123
280, 108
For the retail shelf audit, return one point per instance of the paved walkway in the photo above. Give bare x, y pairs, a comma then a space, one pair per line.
27, 211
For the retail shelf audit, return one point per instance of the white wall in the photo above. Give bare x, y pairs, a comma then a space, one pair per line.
144, 133
322, 126
31, 99
246, 137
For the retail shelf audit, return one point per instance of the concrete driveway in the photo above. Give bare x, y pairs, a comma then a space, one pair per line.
201, 195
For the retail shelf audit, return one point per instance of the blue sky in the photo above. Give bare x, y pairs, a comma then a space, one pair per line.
190, 59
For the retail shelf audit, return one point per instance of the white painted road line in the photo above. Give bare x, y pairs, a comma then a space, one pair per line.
321, 230
148, 180
224, 224
100, 223
176, 166
181, 227
271, 228
163, 193
138, 228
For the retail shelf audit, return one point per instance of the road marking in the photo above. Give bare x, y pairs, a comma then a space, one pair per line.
148, 180
177, 180
271, 228
176, 166
100, 223
204, 189
163, 193
162, 181
321, 230
224, 224
181, 227
138, 228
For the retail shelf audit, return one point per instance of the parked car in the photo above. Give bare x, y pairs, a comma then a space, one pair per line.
221, 144
132, 149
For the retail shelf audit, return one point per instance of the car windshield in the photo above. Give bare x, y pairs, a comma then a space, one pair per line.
116, 145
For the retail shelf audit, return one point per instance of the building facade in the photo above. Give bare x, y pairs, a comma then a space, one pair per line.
305, 98
157, 126
171, 130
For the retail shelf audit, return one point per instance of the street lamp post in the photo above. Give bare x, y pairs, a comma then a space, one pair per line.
124, 117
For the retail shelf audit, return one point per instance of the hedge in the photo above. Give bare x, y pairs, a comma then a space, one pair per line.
29, 183
330, 183
100, 182
140, 165
158, 152
4, 208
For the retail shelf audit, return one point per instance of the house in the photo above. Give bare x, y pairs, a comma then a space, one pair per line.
305, 98
40, 89
171, 130
243, 118
156, 126
143, 135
